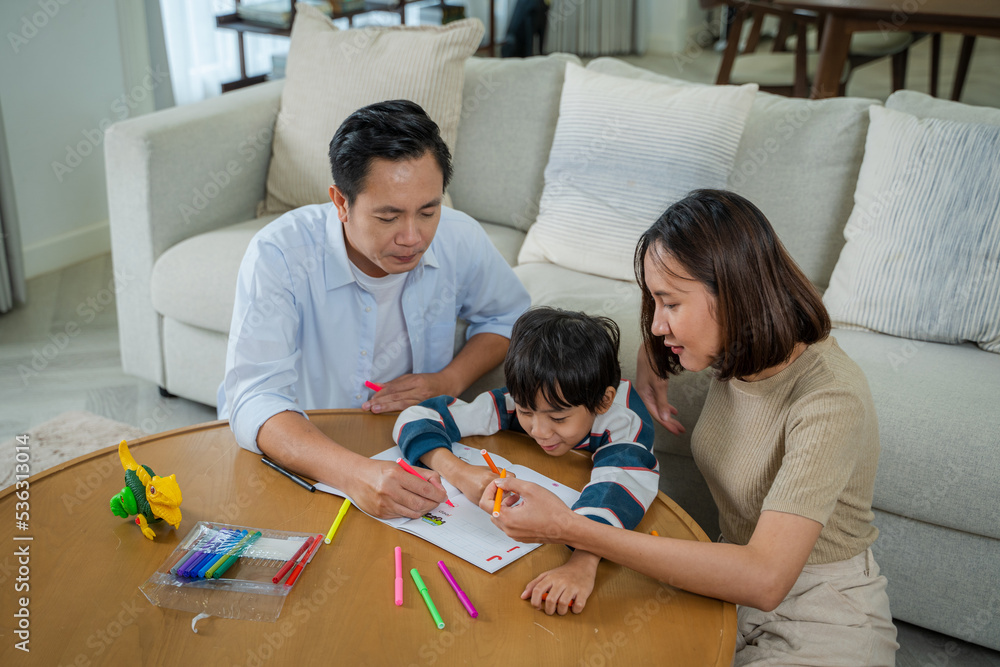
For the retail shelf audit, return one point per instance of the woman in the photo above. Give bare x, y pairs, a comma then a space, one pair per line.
787, 442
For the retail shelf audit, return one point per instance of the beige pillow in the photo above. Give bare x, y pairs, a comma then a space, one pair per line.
331, 73
623, 151
922, 259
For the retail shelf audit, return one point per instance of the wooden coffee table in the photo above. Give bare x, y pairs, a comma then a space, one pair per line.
86, 565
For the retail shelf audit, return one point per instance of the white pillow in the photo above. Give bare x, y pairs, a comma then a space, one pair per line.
624, 150
331, 73
922, 258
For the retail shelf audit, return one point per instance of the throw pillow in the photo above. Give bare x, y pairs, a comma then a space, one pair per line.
331, 73
922, 258
798, 162
922, 105
623, 151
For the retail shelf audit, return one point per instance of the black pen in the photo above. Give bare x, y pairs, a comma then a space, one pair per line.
295, 478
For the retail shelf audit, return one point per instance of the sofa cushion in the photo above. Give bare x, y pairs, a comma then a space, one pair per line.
194, 282
194, 360
623, 151
925, 106
552, 285
922, 258
509, 112
506, 239
331, 73
939, 428
798, 161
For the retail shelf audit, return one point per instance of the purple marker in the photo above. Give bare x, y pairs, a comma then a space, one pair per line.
202, 553
462, 597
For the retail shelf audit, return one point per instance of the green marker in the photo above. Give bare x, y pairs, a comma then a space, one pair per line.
427, 598
231, 557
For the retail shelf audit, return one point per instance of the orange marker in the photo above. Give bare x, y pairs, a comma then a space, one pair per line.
489, 461
408, 468
499, 498
545, 596
654, 533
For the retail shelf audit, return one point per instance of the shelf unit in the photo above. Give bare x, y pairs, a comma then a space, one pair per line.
234, 22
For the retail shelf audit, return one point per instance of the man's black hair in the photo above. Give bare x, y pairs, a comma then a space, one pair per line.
570, 357
394, 130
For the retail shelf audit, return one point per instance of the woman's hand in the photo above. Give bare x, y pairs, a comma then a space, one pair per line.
541, 516
652, 389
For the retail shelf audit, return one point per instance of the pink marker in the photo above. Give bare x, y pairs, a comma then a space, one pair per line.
399, 576
408, 468
371, 385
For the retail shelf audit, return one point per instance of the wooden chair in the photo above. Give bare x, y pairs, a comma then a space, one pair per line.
961, 68
782, 72
789, 68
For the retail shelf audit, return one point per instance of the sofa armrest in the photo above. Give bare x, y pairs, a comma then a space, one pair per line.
172, 175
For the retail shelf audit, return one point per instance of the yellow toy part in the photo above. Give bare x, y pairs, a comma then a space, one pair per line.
162, 494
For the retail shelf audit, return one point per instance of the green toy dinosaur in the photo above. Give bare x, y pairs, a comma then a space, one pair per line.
149, 497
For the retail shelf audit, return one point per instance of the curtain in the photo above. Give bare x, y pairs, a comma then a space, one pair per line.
591, 27
12, 286
203, 57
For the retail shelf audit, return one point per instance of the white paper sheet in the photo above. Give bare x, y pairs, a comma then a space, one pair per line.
465, 530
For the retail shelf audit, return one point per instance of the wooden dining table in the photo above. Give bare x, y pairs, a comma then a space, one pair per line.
842, 18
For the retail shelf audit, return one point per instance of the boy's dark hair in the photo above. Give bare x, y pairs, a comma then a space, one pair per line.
764, 303
394, 130
570, 357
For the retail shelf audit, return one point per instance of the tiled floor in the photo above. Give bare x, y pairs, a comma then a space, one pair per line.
60, 352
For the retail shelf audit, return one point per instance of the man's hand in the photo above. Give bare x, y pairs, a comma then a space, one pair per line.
385, 490
569, 584
407, 390
653, 392
381, 488
541, 517
479, 354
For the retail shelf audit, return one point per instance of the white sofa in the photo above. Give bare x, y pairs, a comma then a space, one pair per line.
183, 185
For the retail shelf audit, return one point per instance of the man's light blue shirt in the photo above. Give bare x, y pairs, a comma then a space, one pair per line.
303, 328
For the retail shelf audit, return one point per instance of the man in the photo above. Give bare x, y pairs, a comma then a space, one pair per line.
366, 288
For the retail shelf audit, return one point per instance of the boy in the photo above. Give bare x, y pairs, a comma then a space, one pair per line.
565, 389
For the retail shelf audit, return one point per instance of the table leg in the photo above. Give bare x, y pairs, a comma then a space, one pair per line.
832, 55
962, 69
935, 62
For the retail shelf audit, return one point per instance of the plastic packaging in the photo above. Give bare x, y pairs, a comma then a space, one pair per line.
240, 585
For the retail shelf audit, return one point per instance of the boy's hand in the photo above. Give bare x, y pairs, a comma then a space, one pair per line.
474, 480
566, 587
470, 479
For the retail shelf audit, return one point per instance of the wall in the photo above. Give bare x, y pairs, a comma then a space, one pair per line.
669, 24
63, 81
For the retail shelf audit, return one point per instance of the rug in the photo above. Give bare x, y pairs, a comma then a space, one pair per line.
65, 437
